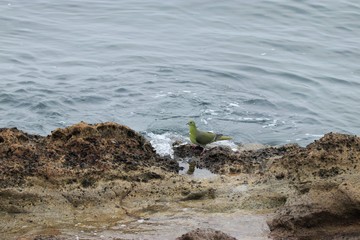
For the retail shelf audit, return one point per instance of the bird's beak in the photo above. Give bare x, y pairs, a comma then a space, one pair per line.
188, 124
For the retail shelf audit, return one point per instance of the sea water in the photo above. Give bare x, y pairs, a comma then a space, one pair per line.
271, 72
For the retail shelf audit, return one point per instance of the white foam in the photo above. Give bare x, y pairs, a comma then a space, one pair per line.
211, 112
254, 120
203, 120
63, 123
274, 123
159, 95
162, 143
314, 135
234, 105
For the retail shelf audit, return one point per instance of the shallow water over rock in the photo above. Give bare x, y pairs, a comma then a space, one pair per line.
241, 225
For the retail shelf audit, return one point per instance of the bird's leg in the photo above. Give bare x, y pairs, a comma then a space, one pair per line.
203, 151
196, 147
199, 148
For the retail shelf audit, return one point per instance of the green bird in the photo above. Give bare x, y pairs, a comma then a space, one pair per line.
202, 138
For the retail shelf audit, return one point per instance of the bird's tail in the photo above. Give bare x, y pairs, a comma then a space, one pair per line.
221, 137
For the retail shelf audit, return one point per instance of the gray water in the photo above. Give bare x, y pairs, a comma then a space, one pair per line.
262, 71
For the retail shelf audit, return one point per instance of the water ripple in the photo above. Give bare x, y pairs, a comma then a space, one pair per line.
264, 71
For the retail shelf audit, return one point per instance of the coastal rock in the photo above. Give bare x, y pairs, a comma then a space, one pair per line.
223, 160
100, 174
327, 211
332, 155
110, 175
184, 150
318, 185
326, 201
80, 153
205, 234
19, 155
83, 167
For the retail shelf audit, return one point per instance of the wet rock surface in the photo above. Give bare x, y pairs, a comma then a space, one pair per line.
110, 175
205, 234
223, 160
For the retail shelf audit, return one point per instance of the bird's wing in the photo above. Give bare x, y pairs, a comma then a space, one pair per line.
204, 138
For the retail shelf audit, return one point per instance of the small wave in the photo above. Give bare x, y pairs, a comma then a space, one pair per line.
135, 94
219, 73
260, 102
121, 90
340, 82
306, 138
23, 104
165, 69
21, 90
40, 106
26, 83
254, 120
314, 135
274, 123
90, 99
6, 98
210, 112
47, 91
301, 79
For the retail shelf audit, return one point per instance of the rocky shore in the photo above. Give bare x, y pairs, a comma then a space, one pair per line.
105, 181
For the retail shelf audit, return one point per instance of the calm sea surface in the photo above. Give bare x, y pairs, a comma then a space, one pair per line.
262, 71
